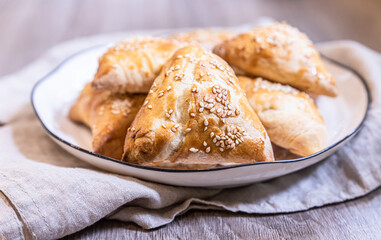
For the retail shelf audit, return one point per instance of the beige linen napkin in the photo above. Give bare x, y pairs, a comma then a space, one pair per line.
46, 193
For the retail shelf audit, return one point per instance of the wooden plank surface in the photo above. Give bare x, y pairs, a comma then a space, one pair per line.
356, 219
28, 28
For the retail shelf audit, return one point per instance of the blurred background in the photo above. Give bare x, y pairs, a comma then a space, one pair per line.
29, 27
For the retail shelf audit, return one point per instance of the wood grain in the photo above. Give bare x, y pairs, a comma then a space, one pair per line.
356, 219
29, 28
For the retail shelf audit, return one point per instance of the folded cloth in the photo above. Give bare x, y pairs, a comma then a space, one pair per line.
45, 193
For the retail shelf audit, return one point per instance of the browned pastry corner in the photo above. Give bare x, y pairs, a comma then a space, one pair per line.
196, 116
290, 117
282, 54
108, 115
207, 37
132, 65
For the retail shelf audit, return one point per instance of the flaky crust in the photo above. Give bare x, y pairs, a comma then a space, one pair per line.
290, 117
108, 116
196, 116
207, 37
132, 65
280, 53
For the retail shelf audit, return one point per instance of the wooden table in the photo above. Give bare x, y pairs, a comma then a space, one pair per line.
28, 28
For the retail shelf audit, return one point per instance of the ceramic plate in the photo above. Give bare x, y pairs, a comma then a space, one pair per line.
53, 95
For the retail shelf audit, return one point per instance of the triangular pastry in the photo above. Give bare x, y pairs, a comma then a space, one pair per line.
108, 116
290, 117
196, 116
132, 65
207, 37
280, 53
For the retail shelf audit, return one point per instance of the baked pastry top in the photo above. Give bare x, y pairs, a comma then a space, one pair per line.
196, 116
108, 115
132, 65
280, 53
207, 37
290, 117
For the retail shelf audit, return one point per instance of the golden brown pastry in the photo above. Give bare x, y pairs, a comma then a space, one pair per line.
108, 116
290, 117
132, 65
196, 116
208, 37
280, 53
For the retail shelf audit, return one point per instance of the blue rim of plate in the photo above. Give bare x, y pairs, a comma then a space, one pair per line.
356, 130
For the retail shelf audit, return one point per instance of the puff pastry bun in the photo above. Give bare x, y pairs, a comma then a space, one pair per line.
290, 117
108, 116
208, 38
196, 116
280, 53
132, 65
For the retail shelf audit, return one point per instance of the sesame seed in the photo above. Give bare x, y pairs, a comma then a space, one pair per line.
201, 74
188, 130
205, 128
207, 150
201, 110
211, 134
206, 123
170, 111
194, 150
161, 94
173, 129
204, 143
149, 106
214, 140
150, 91
201, 104
180, 56
193, 114
163, 126
145, 103
208, 74
169, 88
154, 84
168, 115
221, 149
177, 125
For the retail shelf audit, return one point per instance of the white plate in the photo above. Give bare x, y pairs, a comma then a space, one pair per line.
53, 95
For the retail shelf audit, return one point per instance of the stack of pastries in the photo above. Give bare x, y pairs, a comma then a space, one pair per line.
173, 103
